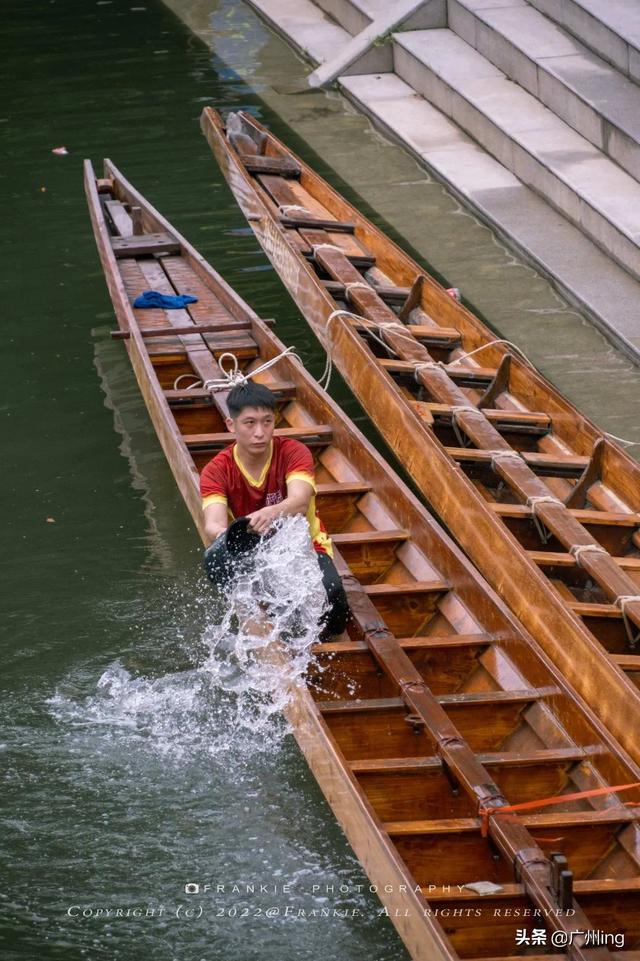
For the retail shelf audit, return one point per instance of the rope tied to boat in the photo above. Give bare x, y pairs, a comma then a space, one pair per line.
500, 454
456, 410
288, 208
316, 247
623, 601
488, 812
577, 550
371, 325
492, 343
235, 377
357, 283
534, 503
427, 365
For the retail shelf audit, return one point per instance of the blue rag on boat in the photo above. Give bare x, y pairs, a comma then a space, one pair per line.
153, 298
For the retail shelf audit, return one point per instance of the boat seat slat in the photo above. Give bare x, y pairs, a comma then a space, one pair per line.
410, 587
370, 537
144, 245
614, 816
119, 217
397, 703
552, 756
280, 166
333, 226
584, 515
556, 465
321, 433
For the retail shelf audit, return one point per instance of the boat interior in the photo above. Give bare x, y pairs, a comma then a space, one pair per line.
570, 497
439, 704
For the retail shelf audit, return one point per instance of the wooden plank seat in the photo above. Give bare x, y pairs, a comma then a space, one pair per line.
564, 560
546, 465
447, 338
218, 327
346, 670
463, 376
145, 245
406, 608
284, 390
516, 421
295, 219
384, 726
399, 788
450, 850
337, 503
319, 435
281, 166
119, 217
390, 294
362, 261
370, 554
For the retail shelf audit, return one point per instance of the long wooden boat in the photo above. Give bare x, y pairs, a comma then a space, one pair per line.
438, 710
545, 504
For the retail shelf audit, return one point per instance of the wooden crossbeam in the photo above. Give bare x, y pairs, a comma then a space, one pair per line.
320, 434
145, 244
280, 166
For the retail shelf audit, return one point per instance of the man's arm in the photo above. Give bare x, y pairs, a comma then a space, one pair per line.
297, 501
215, 520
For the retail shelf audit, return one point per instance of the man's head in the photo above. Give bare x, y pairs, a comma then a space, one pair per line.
252, 416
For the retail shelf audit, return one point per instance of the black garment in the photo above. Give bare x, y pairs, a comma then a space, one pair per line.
221, 565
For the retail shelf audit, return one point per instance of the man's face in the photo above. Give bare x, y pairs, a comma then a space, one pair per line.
253, 428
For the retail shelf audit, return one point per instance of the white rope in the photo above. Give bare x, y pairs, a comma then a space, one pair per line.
357, 283
428, 365
287, 208
498, 455
579, 549
625, 599
456, 410
196, 383
490, 344
234, 377
316, 247
632, 631
622, 440
534, 502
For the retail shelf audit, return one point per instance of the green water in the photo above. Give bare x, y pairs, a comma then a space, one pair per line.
121, 781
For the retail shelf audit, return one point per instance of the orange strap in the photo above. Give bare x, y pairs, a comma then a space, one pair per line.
486, 813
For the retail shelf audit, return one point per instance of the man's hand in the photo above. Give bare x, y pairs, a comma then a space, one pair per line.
260, 521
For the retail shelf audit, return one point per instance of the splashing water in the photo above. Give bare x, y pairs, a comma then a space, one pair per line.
279, 597
232, 700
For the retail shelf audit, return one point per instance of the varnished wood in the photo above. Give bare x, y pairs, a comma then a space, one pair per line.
553, 459
494, 721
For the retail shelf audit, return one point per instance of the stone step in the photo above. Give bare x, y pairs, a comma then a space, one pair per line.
578, 86
529, 139
611, 28
354, 16
308, 28
585, 275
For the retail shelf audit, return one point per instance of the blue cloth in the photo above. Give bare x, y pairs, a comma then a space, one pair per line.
153, 298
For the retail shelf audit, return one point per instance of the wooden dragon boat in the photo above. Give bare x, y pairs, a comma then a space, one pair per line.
437, 711
546, 505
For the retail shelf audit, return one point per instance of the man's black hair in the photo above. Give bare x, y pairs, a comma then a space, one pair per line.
250, 395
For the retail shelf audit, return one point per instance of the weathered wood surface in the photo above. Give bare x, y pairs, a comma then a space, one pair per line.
437, 704
472, 462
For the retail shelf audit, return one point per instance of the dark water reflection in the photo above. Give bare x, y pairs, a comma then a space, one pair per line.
111, 795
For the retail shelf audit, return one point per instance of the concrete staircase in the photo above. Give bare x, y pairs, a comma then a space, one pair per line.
530, 112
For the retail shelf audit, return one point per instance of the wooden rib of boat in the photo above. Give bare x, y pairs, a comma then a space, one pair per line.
541, 500
437, 709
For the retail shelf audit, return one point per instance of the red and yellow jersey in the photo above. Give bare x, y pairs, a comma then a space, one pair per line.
225, 480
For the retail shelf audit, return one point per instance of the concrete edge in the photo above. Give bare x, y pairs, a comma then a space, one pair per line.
614, 336
362, 43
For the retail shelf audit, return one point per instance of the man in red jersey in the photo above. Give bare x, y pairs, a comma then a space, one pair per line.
263, 478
